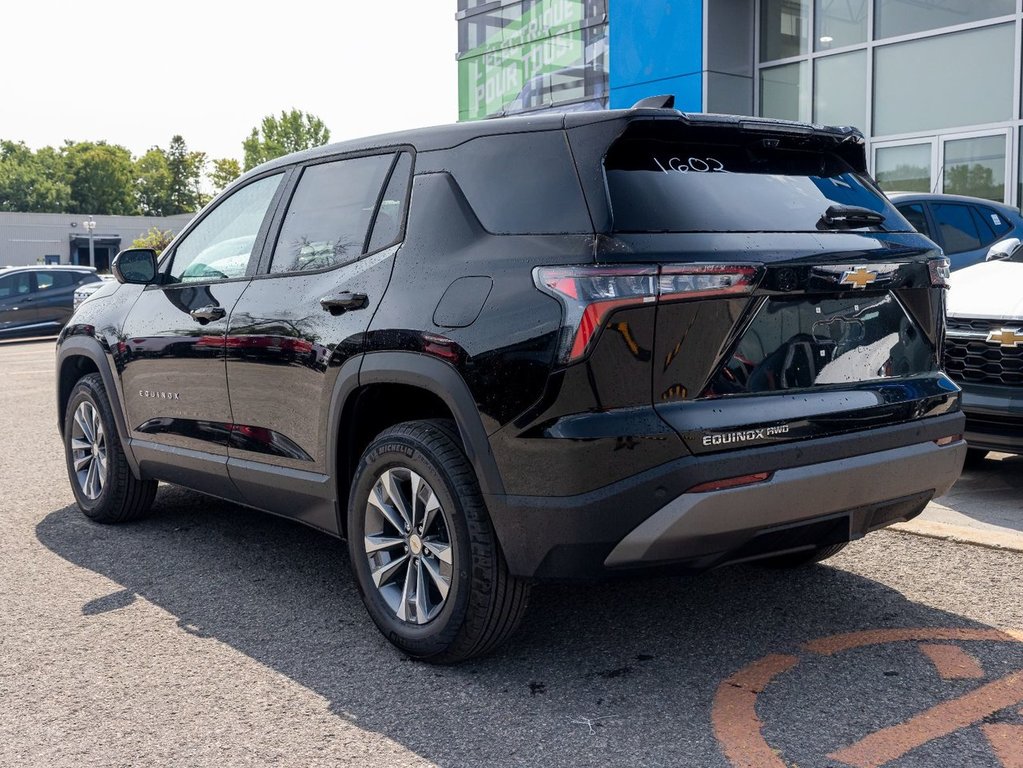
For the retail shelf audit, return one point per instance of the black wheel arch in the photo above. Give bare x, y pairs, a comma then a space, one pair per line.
76, 357
422, 372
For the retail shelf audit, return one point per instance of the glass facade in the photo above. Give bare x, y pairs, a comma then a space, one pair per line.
923, 84
531, 55
932, 84
904, 17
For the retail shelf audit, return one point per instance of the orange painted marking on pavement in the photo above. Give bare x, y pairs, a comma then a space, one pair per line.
940, 720
952, 662
1007, 743
829, 646
734, 714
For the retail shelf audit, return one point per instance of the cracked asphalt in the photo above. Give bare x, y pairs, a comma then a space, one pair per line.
209, 634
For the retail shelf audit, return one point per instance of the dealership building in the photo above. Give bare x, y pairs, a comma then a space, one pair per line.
64, 238
934, 85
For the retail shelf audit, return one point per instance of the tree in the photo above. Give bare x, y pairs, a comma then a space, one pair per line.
32, 182
153, 183
157, 239
101, 177
291, 132
225, 170
186, 176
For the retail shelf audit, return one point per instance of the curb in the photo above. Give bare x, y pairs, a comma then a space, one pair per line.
961, 534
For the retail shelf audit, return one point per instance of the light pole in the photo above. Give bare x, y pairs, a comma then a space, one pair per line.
91, 226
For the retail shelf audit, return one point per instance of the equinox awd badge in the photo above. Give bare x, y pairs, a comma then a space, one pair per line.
744, 436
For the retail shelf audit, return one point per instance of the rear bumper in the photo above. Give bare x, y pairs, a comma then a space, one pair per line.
994, 417
826, 490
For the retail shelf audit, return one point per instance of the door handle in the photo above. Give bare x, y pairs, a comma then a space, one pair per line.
344, 302
207, 313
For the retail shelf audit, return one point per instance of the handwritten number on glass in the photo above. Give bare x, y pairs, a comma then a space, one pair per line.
693, 164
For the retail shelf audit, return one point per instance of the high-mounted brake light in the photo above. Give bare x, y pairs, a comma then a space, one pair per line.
590, 294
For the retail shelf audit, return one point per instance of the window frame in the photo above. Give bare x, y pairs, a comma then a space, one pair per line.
167, 259
262, 269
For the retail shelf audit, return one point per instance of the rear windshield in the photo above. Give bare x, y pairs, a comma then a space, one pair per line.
735, 182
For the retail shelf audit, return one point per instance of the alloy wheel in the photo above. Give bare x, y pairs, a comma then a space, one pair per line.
408, 544
89, 450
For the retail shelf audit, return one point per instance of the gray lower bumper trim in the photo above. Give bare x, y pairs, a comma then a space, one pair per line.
695, 524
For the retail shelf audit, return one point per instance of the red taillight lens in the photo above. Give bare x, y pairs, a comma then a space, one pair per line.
590, 294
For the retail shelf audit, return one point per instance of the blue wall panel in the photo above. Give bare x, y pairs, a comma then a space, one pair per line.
656, 46
688, 91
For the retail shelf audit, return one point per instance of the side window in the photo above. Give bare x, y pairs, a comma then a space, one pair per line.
995, 220
914, 213
15, 285
329, 215
45, 280
958, 229
221, 244
391, 215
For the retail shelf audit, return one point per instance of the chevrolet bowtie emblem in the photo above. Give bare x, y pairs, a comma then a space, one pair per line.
1006, 337
860, 277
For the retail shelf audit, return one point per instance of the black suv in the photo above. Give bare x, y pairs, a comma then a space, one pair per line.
530, 348
38, 300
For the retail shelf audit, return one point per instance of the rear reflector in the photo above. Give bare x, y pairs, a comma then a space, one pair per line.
943, 441
731, 482
590, 294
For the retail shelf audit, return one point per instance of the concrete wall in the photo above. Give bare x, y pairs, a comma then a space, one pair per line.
27, 238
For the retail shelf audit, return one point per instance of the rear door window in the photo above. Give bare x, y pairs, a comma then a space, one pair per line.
958, 229
50, 280
328, 220
737, 183
998, 223
917, 217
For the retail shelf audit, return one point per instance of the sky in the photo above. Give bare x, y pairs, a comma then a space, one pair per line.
136, 73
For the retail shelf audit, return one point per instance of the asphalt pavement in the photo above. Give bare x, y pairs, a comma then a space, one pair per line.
210, 634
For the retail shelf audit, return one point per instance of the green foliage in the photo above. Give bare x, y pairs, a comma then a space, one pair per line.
30, 182
225, 170
186, 176
291, 132
88, 177
101, 177
153, 183
155, 238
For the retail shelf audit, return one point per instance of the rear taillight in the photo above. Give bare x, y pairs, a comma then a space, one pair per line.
590, 294
939, 269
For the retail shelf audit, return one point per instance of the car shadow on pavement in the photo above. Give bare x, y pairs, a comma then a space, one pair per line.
991, 492
630, 666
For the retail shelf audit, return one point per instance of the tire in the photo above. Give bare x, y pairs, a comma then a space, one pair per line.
975, 458
480, 604
800, 559
103, 483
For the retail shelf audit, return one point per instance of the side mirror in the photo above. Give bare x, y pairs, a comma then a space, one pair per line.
135, 265
1003, 249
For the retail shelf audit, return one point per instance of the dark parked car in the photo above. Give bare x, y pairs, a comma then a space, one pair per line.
37, 301
561, 346
965, 227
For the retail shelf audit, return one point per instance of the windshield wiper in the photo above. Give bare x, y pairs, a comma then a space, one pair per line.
849, 217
